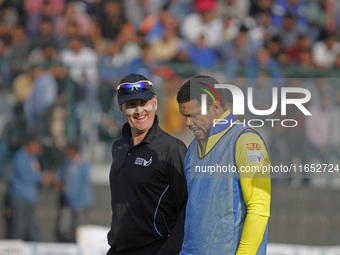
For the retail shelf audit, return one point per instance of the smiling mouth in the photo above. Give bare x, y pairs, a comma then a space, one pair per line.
141, 118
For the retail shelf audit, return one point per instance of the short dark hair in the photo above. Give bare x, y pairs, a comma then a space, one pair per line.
197, 85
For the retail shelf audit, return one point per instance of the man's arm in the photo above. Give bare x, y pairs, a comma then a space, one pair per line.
256, 191
179, 192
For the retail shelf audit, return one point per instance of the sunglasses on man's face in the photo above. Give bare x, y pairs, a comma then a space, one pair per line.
140, 86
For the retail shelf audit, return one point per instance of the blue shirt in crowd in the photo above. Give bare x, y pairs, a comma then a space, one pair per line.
76, 183
25, 177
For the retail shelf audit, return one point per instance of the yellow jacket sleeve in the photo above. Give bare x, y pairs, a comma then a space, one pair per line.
251, 155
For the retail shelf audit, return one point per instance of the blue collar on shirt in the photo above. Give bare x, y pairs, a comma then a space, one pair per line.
218, 128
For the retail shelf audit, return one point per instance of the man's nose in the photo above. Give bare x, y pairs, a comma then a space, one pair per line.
187, 121
139, 109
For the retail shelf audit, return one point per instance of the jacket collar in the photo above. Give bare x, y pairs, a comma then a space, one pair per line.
228, 120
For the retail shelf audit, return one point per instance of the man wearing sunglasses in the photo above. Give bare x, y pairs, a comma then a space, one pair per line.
148, 187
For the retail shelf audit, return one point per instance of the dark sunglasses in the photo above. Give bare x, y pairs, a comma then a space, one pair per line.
140, 86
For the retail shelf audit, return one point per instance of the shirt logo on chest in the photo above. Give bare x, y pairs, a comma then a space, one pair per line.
142, 161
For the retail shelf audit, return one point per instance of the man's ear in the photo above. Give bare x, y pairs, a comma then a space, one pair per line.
121, 109
216, 109
156, 102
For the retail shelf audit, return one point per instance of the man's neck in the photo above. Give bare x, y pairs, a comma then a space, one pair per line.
138, 137
203, 144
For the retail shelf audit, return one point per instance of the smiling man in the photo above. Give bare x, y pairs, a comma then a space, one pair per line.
228, 208
148, 187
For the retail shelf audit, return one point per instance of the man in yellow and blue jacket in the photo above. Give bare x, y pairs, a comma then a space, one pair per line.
228, 204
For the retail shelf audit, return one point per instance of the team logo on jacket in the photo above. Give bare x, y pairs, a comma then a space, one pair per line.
255, 156
142, 161
253, 146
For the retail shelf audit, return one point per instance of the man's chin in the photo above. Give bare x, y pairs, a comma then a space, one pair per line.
200, 137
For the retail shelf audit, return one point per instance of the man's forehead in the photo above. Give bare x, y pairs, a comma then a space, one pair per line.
192, 105
136, 101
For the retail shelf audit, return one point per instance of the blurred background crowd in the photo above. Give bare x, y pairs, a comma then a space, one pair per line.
60, 61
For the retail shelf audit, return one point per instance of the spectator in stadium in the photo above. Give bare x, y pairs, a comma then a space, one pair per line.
113, 56
204, 22
116, 59
42, 97
305, 60
166, 48
12, 138
303, 44
23, 190
227, 212
144, 63
45, 34
98, 42
238, 52
180, 8
260, 6
241, 49
5, 66
295, 8
5, 36
74, 13
19, 49
37, 19
36, 6
336, 66
164, 20
171, 121
9, 14
182, 56
71, 30
148, 188
290, 32
275, 49
239, 9
263, 61
74, 182
82, 64
202, 55
112, 20
22, 87
321, 15
139, 13
264, 30
131, 43
324, 52
45, 55
230, 28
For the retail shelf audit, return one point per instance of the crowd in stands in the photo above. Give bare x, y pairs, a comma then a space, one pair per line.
61, 59
84, 34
